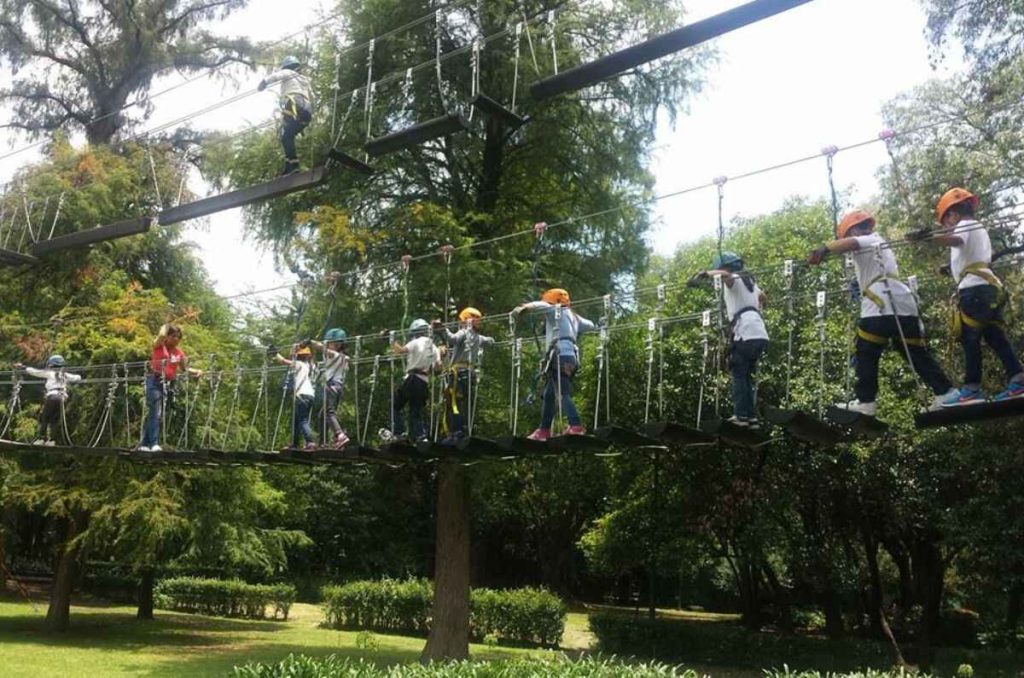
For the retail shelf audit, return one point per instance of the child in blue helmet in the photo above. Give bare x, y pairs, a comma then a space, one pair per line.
334, 370
421, 360
743, 303
57, 380
296, 107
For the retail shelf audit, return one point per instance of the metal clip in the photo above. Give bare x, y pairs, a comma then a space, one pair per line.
820, 301
705, 319
718, 282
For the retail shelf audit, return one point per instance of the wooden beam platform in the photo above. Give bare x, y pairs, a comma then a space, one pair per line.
660, 46
857, 424
805, 427
524, 447
350, 161
626, 437
677, 435
12, 258
91, 236
578, 443
968, 414
731, 434
292, 183
416, 135
492, 109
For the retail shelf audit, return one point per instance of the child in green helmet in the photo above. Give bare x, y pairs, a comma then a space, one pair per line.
335, 369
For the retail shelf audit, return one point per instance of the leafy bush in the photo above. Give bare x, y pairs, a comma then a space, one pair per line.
704, 643
524, 615
224, 597
558, 667
870, 673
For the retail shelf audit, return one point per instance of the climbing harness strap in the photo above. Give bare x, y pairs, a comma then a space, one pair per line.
884, 341
875, 297
296, 106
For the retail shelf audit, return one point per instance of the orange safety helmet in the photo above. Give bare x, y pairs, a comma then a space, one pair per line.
954, 196
556, 295
303, 352
470, 312
854, 218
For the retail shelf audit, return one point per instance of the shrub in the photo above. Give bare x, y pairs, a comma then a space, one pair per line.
224, 597
558, 667
526, 615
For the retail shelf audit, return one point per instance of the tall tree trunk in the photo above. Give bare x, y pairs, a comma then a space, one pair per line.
1014, 607
146, 594
830, 605
875, 611
58, 615
449, 628
783, 602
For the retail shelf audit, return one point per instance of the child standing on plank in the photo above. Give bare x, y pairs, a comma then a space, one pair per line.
161, 372
980, 296
421, 359
301, 365
57, 380
335, 369
563, 327
888, 312
466, 346
296, 107
743, 303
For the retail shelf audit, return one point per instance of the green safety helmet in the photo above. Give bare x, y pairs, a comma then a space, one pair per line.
419, 326
55, 360
727, 260
291, 63
335, 334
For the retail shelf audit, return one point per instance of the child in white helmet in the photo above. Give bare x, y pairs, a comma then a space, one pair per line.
57, 380
466, 346
421, 359
296, 107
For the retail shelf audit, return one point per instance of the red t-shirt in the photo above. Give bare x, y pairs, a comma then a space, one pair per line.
166, 361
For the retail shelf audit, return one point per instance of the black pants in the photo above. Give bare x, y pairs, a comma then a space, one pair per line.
293, 122
743, 359
458, 401
50, 419
883, 329
415, 393
981, 305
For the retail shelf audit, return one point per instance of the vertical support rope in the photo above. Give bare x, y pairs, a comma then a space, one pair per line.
152, 169
661, 352
705, 323
820, 305
56, 215
369, 403
652, 324
355, 389
791, 328
335, 88
370, 86
895, 316
515, 67
558, 361
553, 38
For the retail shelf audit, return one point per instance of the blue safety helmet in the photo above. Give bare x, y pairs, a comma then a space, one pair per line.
335, 334
728, 261
55, 360
291, 63
419, 326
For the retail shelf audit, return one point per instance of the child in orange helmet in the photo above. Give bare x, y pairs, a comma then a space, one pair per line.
465, 353
301, 365
888, 312
563, 326
980, 294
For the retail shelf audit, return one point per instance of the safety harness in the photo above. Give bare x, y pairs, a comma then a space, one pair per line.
982, 270
877, 300
296, 106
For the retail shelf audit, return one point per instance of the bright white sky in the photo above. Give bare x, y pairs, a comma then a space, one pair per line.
811, 77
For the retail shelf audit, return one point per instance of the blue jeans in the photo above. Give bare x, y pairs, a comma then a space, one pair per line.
559, 379
154, 410
300, 423
743, 358
981, 305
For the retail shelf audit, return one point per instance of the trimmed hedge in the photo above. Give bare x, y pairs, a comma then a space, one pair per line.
224, 597
526, 615
559, 667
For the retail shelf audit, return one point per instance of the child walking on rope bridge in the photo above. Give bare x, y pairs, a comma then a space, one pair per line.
421, 360
335, 369
466, 346
304, 394
888, 312
563, 327
743, 303
296, 107
161, 371
980, 297
51, 427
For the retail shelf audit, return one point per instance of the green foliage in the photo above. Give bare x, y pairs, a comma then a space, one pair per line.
525, 615
225, 598
300, 666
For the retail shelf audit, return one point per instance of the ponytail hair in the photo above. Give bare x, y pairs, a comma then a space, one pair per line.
167, 330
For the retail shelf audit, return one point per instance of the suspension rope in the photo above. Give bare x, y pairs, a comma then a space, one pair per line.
705, 323
820, 305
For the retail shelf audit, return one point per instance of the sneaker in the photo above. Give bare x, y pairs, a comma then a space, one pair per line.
422, 440
386, 436
576, 430
938, 402
340, 441
738, 421
156, 448
753, 424
50, 443
310, 446
867, 409
40, 442
1014, 390
143, 448
964, 396
452, 441
541, 435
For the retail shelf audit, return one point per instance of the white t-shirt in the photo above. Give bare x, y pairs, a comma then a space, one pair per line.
303, 384
421, 355
335, 366
977, 247
866, 264
750, 325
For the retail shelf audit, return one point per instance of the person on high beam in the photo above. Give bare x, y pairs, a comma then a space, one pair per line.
296, 105
888, 312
